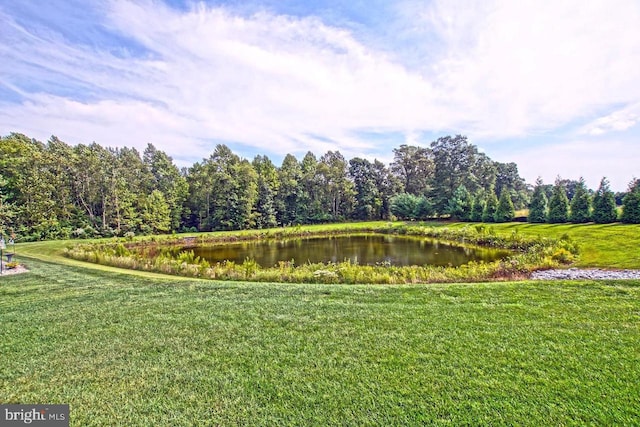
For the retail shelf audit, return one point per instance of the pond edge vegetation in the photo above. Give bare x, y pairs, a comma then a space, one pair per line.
529, 254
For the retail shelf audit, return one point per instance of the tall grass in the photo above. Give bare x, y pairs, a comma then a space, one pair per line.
529, 253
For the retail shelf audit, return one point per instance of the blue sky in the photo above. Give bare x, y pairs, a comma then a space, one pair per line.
551, 85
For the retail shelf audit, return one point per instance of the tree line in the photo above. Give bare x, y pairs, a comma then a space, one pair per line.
55, 190
572, 201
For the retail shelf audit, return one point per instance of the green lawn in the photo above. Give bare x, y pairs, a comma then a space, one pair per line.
605, 246
130, 350
139, 349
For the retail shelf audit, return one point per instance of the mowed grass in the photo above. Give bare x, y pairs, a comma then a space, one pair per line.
601, 245
129, 350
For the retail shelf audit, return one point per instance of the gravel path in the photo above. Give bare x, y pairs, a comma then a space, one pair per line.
591, 273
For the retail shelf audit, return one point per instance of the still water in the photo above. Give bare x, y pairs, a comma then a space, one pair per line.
363, 249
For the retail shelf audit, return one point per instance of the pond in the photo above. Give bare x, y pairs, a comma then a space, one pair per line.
362, 249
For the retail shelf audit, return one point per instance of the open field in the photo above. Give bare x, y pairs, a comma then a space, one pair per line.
141, 349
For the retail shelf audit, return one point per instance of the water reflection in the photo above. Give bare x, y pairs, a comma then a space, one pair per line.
363, 249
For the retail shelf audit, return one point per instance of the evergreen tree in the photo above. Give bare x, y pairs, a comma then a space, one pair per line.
404, 206
559, 204
538, 205
478, 207
460, 204
631, 204
580, 204
423, 209
490, 207
505, 211
604, 204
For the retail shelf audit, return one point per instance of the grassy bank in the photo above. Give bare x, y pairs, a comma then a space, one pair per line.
129, 350
601, 245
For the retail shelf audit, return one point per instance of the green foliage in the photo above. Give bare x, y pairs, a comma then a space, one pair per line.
58, 191
631, 206
404, 205
477, 208
369, 198
505, 211
156, 214
604, 204
538, 206
558, 204
424, 208
490, 207
454, 160
268, 185
414, 168
580, 204
460, 205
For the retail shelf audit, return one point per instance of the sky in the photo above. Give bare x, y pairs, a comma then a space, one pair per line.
553, 86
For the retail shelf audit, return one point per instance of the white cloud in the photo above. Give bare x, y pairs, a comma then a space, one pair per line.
279, 84
516, 67
619, 120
